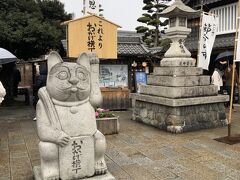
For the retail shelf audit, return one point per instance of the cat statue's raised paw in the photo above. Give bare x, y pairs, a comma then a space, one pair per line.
70, 145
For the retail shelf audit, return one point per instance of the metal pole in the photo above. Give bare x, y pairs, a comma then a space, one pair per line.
199, 34
233, 74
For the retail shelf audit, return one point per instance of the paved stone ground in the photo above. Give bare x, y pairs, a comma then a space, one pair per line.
138, 152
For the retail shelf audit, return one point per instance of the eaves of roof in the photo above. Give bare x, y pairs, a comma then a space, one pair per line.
126, 46
204, 1
156, 50
178, 7
132, 49
211, 2
222, 41
89, 16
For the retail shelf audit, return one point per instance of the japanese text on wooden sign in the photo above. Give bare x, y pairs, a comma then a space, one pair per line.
95, 34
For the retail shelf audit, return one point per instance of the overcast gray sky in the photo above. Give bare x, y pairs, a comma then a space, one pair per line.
121, 12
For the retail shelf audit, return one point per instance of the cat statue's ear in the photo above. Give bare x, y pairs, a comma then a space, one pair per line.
91, 62
84, 60
53, 59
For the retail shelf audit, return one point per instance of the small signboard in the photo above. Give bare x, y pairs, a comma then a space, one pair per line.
113, 75
141, 79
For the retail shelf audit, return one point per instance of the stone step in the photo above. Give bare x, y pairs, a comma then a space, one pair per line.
178, 71
179, 92
178, 80
179, 102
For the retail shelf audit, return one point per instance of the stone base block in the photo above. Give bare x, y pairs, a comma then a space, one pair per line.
178, 62
180, 119
179, 92
178, 81
178, 102
177, 71
107, 176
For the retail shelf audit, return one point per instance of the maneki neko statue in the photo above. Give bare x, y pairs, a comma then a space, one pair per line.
70, 145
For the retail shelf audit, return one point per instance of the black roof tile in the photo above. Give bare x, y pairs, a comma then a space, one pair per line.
222, 41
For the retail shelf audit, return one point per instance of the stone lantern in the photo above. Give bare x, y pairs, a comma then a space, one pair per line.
177, 54
178, 97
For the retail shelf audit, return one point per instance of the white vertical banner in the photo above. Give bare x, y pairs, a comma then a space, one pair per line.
207, 38
238, 44
91, 6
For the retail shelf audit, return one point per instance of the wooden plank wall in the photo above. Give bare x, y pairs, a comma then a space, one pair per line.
116, 98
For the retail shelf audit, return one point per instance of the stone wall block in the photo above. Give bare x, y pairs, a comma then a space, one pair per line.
176, 111
158, 117
146, 120
173, 120
143, 113
216, 107
162, 126
221, 107
150, 114
154, 123
222, 115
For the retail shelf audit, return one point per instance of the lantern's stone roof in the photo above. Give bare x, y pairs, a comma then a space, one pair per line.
178, 8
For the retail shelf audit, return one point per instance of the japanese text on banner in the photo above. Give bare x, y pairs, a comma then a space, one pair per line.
207, 38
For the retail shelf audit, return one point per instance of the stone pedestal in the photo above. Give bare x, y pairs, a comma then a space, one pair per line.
179, 99
107, 176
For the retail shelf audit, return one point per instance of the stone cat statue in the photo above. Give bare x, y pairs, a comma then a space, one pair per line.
70, 145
